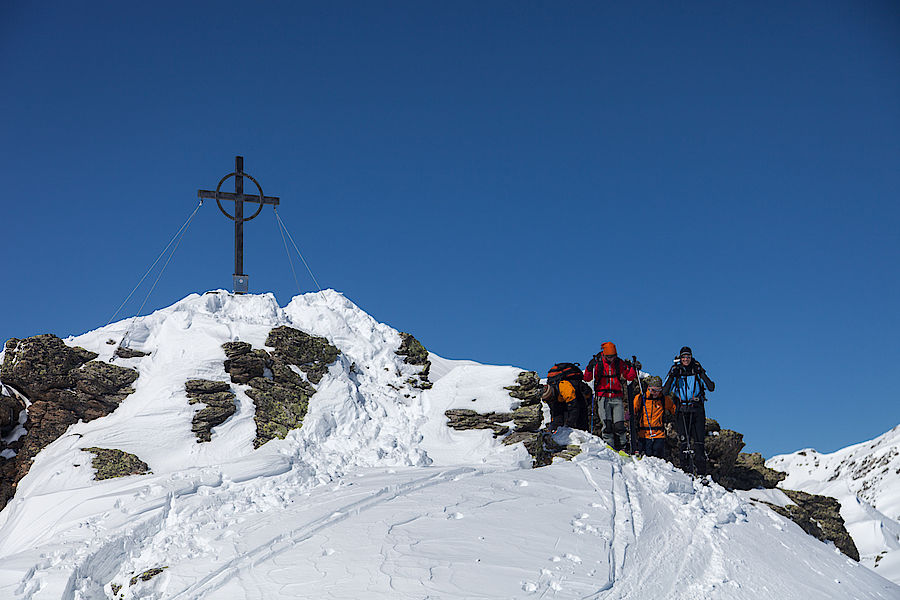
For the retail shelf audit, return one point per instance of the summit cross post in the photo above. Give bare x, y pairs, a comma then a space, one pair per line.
241, 280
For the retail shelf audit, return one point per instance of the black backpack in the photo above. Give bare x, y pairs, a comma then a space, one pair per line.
564, 371
570, 372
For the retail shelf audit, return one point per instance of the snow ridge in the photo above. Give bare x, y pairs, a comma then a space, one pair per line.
374, 496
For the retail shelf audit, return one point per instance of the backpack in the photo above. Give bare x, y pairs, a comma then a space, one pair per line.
566, 381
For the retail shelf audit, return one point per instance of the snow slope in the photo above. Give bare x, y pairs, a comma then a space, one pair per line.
374, 497
865, 479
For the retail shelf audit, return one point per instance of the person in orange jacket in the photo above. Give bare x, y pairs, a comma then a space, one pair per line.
648, 410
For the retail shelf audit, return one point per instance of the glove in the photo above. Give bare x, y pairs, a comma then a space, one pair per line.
638, 365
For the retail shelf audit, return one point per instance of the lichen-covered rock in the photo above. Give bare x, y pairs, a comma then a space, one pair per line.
527, 388
750, 472
414, 353
146, 575
10, 409
820, 517
123, 352
463, 419
280, 395
64, 385
280, 407
722, 449
218, 401
312, 354
109, 463
243, 363
527, 420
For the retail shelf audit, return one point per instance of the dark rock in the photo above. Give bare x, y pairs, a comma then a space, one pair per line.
123, 352
10, 409
280, 407
722, 449
245, 366
64, 385
528, 418
235, 349
219, 405
414, 353
41, 363
820, 517
146, 575
204, 386
110, 463
750, 472
312, 354
282, 400
527, 388
464, 419
527, 421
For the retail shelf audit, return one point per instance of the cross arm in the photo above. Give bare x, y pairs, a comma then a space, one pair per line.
211, 194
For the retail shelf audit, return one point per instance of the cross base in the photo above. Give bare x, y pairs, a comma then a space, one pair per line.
241, 284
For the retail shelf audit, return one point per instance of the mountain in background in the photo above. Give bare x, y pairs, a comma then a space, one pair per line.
231, 448
865, 479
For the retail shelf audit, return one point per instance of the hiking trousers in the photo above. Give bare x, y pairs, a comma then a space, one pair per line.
652, 447
611, 411
691, 429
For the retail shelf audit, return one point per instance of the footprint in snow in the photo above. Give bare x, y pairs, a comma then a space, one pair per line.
455, 516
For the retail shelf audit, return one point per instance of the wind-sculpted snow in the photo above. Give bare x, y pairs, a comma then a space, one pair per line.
374, 496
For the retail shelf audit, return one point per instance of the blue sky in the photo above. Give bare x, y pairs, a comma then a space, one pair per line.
511, 182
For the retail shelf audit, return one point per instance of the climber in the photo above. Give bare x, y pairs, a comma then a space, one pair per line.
687, 382
648, 409
611, 376
567, 396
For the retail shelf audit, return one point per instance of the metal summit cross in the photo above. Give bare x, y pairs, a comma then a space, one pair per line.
241, 280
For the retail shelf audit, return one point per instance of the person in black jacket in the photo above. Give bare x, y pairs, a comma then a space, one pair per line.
687, 382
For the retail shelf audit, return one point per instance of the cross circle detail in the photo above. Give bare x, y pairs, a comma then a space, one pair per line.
258, 187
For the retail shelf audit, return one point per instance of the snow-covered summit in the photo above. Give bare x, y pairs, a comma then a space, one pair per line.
374, 496
865, 479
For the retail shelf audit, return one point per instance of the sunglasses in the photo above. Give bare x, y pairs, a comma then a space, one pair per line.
654, 389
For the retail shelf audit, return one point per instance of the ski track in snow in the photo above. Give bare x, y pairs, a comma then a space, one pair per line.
374, 497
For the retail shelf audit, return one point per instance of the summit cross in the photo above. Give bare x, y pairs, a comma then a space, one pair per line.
241, 280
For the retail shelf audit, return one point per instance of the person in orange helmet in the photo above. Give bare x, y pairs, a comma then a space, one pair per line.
611, 376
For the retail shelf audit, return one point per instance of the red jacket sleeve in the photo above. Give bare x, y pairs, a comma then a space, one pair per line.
589, 374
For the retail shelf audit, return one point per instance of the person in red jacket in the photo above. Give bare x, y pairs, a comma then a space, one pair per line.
611, 376
648, 410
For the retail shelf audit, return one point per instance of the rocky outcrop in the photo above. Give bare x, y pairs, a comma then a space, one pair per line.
414, 353
147, 575
750, 472
218, 401
312, 354
280, 394
820, 517
11, 407
64, 385
109, 463
522, 425
124, 352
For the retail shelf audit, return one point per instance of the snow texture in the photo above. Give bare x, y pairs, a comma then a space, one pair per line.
865, 479
374, 497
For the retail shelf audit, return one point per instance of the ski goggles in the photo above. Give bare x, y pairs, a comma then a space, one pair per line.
654, 389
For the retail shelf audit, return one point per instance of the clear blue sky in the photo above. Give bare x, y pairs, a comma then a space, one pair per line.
512, 182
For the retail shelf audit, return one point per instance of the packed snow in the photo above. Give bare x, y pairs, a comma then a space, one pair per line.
865, 479
374, 497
